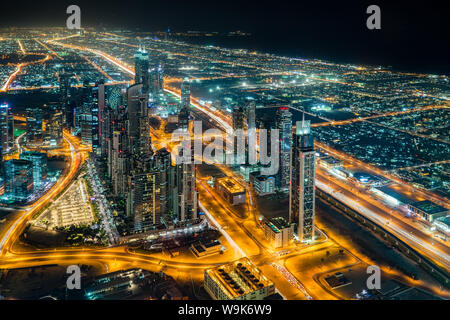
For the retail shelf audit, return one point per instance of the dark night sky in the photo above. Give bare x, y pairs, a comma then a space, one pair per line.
413, 37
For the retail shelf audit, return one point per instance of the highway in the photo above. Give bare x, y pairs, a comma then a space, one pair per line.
243, 234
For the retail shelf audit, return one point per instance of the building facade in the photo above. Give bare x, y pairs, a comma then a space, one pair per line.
302, 186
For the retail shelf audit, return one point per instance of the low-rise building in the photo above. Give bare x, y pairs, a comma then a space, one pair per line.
443, 224
203, 249
231, 190
238, 280
278, 232
263, 185
428, 210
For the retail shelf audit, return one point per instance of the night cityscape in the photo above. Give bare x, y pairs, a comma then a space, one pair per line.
162, 162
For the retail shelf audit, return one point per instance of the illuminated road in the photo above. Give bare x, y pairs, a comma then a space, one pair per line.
18, 226
243, 234
415, 238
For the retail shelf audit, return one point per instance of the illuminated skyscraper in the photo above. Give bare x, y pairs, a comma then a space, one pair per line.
64, 92
34, 125
39, 161
157, 79
143, 195
184, 112
142, 73
164, 170
238, 118
18, 179
54, 128
185, 94
284, 124
302, 187
138, 126
251, 115
6, 135
187, 192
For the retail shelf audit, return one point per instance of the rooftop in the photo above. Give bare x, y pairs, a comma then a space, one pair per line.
231, 185
428, 207
239, 278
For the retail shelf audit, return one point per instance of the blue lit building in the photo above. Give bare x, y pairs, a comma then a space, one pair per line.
142, 73
284, 124
18, 179
6, 129
39, 161
34, 125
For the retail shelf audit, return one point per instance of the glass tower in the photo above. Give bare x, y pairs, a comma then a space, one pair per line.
302, 187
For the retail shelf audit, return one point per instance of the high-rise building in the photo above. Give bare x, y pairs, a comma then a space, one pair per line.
185, 94
187, 192
114, 97
284, 125
156, 79
251, 115
302, 186
138, 129
238, 117
34, 125
143, 195
119, 164
64, 92
54, 127
18, 179
99, 144
39, 161
6, 129
164, 170
142, 74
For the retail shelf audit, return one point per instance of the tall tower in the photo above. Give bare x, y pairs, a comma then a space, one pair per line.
302, 187
164, 171
284, 124
4, 132
34, 125
138, 126
185, 94
187, 192
184, 112
251, 115
141, 67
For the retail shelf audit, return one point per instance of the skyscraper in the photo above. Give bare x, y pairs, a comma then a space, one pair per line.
141, 67
138, 126
34, 125
6, 132
64, 92
18, 179
187, 192
164, 170
238, 118
118, 166
39, 161
185, 94
251, 115
142, 195
54, 127
184, 112
284, 124
302, 187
